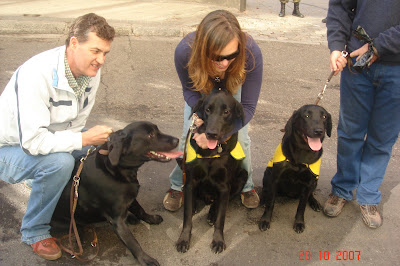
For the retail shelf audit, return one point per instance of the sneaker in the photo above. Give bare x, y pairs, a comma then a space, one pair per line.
371, 216
47, 249
173, 200
334, 205
250, 199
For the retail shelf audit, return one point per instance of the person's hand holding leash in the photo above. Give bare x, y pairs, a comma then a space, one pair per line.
337, 61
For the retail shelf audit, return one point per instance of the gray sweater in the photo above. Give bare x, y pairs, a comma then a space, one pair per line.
379, 18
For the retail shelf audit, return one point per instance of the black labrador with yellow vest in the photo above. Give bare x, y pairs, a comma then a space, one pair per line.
215, 174
109, 184
294, 169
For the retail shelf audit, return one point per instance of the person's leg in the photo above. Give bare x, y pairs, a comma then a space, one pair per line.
283, 3
49, 173
249, 197
356, 100
383, 131
173, 199
296, 9
176, 175
245, 141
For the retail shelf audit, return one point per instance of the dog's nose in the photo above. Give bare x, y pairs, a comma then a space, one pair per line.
318, 131
211, 136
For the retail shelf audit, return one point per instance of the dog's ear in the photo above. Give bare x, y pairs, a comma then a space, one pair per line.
115, 146
239, 111
328, 124
199, 107
291, 122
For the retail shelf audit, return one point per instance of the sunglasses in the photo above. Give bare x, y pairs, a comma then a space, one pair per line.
219, 58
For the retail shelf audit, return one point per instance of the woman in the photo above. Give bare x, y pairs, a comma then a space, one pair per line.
219, 54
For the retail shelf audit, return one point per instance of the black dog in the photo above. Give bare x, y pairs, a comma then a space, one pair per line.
294, 170
109, 185
213, 175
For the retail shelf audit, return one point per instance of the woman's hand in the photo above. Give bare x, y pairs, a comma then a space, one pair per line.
201, 140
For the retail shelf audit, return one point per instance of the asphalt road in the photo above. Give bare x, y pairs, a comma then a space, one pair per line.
139, 83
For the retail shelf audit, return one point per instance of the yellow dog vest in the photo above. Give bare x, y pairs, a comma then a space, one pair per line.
237, 153
279, 157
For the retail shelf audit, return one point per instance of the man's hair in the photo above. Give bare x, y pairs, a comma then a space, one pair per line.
91, 22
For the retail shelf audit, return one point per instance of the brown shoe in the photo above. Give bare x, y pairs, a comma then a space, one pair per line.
173, 200
334, 205
47, 249
250, 199
371, 216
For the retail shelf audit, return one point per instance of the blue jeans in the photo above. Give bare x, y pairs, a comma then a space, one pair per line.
49, 174
369, 124
244, 140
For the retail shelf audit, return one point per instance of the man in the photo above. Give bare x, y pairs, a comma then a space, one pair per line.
369, 118
296, 9
43, 110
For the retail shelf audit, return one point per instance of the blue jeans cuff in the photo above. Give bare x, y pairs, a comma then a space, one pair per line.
35, 239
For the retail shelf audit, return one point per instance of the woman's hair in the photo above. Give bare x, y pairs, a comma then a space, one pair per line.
91, 22
213, 34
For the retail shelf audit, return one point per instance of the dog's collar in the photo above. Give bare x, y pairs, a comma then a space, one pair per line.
280, 157
191, 155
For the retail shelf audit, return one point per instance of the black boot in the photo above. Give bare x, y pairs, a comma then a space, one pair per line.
282, 14
296, 11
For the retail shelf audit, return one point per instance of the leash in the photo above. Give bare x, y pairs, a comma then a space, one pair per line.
192, 129
345, 54
73, 202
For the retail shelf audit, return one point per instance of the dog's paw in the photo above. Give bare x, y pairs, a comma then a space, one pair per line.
263, 225
147, 260
299, 227
218, 246
315, 205
154, 219
182, 246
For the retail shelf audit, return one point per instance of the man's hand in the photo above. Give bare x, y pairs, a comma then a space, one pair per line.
97, 135
362, 50
337, 62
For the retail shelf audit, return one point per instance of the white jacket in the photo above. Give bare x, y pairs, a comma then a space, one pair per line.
39, 110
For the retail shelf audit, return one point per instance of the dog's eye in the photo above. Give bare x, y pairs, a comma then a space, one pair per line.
152, 135
208, 110
307, 116
226, 112
324, 116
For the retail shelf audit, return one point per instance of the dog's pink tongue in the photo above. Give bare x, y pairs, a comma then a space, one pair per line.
212, 143
314, 143
172, 154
